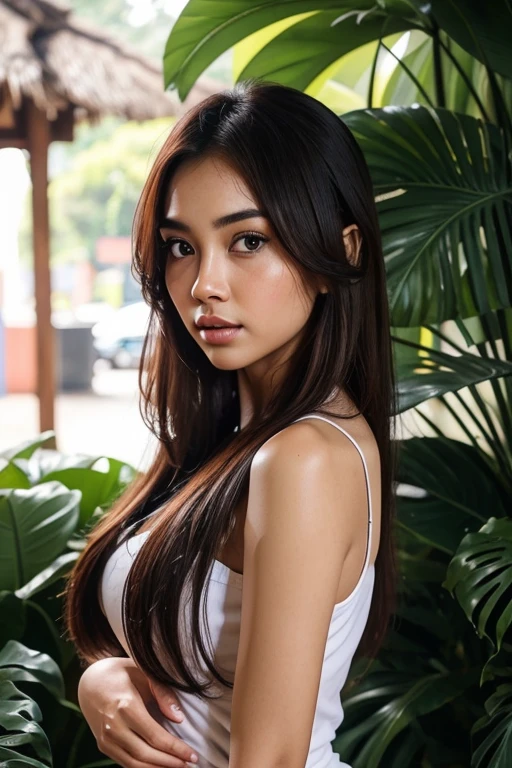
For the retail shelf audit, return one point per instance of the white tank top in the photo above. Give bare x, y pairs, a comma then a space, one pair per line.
206, 724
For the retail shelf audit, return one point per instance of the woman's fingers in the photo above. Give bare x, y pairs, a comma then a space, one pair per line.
167, 701
154, 736
131, 751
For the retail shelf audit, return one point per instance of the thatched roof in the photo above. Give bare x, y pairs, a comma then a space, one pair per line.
49, 56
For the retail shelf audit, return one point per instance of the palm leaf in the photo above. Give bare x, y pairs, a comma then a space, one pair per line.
492, 734
299, 54
448, 508
422, 378
205, 30
403, 705
445, 210
480, 577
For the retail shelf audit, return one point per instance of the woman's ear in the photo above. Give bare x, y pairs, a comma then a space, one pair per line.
353, 241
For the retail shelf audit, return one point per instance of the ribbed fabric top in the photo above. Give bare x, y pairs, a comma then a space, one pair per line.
206, 724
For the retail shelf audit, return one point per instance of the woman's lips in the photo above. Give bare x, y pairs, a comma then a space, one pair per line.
220, 335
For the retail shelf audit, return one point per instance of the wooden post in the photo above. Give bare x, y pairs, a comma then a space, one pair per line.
38, 142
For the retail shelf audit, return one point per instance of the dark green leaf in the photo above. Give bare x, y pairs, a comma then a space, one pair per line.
12, 613
17, 662
19, 722
447, 508
480, 577
394, 708
482, 29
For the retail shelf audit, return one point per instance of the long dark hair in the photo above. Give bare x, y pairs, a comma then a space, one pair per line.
309, 175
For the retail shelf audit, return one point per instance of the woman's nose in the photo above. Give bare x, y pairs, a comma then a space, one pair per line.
211, 280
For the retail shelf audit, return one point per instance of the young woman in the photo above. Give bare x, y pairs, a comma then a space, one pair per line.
245, 569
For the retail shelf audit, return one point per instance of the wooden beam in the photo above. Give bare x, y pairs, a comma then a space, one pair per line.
38, 141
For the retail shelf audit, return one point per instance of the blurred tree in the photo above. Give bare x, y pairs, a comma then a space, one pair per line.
96, 192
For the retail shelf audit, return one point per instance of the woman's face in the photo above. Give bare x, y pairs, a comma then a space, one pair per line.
224, 259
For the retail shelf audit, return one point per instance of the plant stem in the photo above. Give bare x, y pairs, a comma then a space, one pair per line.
372, 74
471, 88
412, 76
438, 69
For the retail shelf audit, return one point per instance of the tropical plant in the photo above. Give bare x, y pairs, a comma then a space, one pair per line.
48, 502
437, 135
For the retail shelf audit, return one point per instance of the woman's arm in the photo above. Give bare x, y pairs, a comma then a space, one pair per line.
300, 524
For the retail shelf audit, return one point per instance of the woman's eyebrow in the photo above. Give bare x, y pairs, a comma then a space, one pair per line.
223, 221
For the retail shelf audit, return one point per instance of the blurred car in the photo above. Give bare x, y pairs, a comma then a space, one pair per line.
119, 337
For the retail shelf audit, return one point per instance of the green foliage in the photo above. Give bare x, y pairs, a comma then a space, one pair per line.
48, 501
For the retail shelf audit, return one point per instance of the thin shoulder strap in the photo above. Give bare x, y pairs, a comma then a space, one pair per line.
367, 478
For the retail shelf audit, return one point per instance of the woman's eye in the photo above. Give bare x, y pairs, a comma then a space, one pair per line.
252, 242
178, 248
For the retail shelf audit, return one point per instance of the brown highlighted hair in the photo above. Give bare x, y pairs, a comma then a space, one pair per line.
309, 175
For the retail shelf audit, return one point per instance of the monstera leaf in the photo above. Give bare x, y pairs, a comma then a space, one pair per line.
480, 577
445, 210
19, 714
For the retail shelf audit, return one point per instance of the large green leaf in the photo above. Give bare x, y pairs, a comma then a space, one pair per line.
445, 207
458, 486
19, 720
480, 577
19, 663
35, 525
204, 29
482, 29
305, 50
492, 734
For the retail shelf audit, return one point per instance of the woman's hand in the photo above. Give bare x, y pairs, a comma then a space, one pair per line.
112, 694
